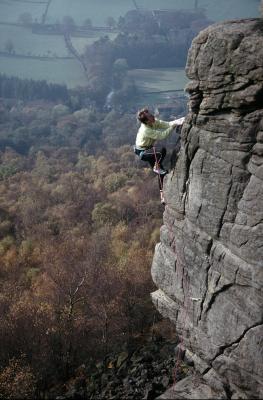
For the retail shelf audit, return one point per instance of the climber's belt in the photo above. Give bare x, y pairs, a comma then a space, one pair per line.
140, 151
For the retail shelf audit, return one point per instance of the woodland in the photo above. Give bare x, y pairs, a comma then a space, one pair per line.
79, 218
79, 215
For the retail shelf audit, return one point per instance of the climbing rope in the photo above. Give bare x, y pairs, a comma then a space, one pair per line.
159, 176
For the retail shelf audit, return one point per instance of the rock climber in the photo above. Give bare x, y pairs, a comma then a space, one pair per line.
153, 129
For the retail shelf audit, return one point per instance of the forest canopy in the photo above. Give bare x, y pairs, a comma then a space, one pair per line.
79, 214
79, 218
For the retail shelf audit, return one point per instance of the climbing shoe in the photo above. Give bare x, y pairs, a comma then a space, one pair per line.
159, 171
162, 198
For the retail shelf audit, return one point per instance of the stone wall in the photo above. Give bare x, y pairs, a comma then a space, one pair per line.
208, 266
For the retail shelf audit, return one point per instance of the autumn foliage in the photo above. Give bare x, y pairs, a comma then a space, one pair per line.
78, 224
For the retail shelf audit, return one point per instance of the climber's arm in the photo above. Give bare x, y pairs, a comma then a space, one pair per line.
177, 122
157, 134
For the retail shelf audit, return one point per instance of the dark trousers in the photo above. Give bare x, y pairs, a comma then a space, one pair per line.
151, 157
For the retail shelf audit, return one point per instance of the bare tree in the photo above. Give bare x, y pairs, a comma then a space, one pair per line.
110, 22
9, 46
68, 24
87, 23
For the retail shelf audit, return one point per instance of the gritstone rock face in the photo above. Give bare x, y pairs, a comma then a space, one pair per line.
209, 264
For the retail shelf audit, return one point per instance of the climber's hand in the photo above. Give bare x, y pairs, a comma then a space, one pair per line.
177, 122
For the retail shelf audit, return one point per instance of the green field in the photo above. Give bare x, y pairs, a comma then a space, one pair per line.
27, 43
11, 10
80, 10
159, 79
41, 45
151, 100
159, 85
68, 72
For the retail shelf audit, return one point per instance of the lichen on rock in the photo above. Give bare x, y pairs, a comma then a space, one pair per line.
209, 265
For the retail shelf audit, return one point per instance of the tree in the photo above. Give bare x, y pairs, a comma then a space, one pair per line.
25, 18
110, 22
9, 46
115, 181
60, 110
68, 24
120, 65
17, 380
87, 23
104, 213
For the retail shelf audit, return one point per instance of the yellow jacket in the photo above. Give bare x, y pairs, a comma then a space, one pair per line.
147, 135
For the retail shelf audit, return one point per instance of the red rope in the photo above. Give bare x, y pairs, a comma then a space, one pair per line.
158, 166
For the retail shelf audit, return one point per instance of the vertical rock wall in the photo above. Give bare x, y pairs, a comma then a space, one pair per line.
208, 266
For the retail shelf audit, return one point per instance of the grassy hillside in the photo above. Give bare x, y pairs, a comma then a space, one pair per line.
159, 79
